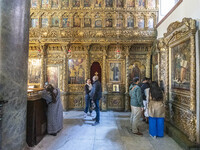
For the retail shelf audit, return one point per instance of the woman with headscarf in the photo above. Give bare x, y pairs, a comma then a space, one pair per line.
55, 109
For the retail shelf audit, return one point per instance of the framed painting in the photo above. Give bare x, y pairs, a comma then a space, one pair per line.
54, 4
115, 87
76, 71
130, 3
137, 70
53, 75
109, 3
87, 22
98, 23
155, 67
65, 3
87, 3
98, 3
45, 3
34, 3
66, 23
151, 3
55, 22
150, 23
115, 70
77, 21
141, 3
34, 22
34, 70
119, 3
130, 22
76, 3
180, 65
141, 23
44, 22
109, 22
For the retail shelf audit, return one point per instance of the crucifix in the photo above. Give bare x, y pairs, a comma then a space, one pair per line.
96, 73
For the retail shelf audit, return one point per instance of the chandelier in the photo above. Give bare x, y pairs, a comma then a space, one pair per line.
69, 53
39, 53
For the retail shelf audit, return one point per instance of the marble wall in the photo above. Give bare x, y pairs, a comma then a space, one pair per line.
14, 27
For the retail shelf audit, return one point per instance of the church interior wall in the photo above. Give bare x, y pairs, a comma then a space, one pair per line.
187, 8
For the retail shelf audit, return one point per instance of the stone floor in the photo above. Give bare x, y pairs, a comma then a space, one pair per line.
111, 134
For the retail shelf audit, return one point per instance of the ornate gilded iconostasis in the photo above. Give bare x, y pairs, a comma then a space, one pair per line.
69, 39
177, 69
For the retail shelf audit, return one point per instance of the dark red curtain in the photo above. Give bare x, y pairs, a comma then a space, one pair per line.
95, 68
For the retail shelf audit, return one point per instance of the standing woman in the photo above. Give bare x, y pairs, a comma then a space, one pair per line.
156, 111
54, 111
88, 87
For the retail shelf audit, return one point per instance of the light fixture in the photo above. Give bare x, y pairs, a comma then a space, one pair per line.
69, 53
39, 53
117, 52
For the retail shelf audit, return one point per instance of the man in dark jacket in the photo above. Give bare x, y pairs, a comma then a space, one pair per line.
96, 94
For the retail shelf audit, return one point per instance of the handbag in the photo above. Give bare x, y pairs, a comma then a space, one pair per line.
93, 106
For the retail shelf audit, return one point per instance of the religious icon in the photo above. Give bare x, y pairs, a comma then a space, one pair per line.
65, 3
109, 22
120, 21
77, 21
33, 3
98, 23
76, 3
66, 22
76, 71
109, 3
130, 3
137, 70
180, 65
151, 3
52, 75
115, 72
141, 23
54, 4
130, 22
55, 22
34, 23
150, 23
98, 3
120, 3
34, 70
87, 22
44, 22
45, 3
115, 87
141, 3
87, 3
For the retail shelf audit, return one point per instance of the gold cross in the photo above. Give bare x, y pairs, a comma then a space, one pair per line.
96, 73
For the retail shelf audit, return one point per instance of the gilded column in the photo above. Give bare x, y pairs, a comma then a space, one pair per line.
193, 75
104, 94
43, 64
65, 48
127, 102
148, 64
87, 58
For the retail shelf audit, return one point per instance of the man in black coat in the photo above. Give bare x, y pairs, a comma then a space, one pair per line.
96, 94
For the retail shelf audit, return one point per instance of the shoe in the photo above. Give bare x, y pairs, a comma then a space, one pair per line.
54, 134
93, 119
138, 133
96, 123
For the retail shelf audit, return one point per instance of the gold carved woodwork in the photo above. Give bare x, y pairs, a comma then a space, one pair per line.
181, 110
115, 101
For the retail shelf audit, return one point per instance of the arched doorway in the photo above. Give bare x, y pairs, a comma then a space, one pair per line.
95, 70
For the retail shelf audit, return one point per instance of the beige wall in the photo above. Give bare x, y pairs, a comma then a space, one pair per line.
188, 9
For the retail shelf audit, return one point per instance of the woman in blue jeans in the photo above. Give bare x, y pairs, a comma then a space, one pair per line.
156, 111
88, 87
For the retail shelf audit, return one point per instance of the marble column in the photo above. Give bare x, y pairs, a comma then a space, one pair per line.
14, 17
43, 65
